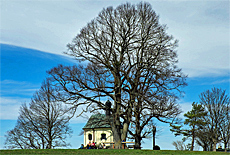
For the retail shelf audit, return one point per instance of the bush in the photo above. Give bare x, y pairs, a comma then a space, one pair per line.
156, 147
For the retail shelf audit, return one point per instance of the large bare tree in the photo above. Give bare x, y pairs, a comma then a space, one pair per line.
216, 102
128, 57
225, 128
42, 125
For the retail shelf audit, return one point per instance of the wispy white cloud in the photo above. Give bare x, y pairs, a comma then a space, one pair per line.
9, 107
13, 82
221, 81
217, 82
13, 100
11, 87
13, 94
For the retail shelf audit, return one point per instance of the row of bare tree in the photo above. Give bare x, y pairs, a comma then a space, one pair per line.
208, 123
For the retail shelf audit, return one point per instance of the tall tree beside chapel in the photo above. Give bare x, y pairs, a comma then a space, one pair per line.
129, 58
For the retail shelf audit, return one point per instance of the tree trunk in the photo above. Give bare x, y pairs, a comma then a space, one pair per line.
154, 136
204, 148
117, 137
116, 123
225, 147
138, 142
49, 144
138, 135
43, 143
138, 128
214, 146
116, 129
128, 119
193, 140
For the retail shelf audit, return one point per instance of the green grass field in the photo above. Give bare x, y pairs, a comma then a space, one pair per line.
108, 152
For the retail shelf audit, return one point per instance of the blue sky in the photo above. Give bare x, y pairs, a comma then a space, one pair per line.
202, 28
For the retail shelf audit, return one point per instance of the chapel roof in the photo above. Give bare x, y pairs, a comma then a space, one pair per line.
97, 121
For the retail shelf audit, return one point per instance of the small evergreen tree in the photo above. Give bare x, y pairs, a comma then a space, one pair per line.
193, 120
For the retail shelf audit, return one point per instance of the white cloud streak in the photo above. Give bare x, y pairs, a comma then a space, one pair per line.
9, 107
17, 88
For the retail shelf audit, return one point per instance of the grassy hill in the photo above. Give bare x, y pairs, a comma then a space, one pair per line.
109, 151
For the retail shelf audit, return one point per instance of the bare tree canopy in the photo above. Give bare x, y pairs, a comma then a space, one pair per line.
217, 104
179, 145
129, 58
42, 125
